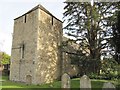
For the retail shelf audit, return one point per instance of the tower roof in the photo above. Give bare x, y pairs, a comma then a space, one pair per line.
39, 7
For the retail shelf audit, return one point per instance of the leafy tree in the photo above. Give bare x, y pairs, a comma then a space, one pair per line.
0, 56
90, 26
116, 38
5, 58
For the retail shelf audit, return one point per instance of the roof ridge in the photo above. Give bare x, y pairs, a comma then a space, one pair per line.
42, 8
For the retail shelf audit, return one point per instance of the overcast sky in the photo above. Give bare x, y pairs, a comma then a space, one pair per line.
10, 9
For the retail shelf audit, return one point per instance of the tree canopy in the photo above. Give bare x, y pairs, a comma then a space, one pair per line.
4, 58
116, 39
90, 25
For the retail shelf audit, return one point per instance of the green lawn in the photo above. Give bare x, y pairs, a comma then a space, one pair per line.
57, 84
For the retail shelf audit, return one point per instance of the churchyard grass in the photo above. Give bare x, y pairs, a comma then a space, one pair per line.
57, 84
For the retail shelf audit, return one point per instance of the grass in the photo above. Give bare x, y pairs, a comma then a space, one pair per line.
5, 78
75, 83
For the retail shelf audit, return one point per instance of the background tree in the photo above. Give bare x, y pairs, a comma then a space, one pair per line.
0, 56
90, 26
5, 58
116, 39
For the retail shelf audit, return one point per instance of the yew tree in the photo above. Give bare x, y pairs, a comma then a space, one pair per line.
115, 44
90, 26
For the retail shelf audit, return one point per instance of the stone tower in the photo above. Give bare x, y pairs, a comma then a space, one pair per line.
36, 55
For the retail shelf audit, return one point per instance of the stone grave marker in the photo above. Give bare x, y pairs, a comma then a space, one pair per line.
28, 79
85, 83
108, 86
65, 83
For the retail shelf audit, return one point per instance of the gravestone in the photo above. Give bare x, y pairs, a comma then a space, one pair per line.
28, 79
65, 81
108, 86
85, 83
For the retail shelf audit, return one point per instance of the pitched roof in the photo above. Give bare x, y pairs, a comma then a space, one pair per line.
38, 7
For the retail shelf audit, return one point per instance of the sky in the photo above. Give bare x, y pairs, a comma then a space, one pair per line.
11, 9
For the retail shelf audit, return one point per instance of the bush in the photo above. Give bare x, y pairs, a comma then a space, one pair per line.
106, 76
109, 69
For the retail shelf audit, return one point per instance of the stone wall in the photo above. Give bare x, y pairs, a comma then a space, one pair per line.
48, 51
69, 47
36, 54
25, 33
67, 67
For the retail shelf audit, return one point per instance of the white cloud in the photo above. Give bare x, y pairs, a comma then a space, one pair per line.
5, 42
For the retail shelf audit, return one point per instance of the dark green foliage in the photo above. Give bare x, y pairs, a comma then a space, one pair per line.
116, 39
90, 26
109, 70
84, 63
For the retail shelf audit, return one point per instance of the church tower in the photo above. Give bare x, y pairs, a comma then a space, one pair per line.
36, 53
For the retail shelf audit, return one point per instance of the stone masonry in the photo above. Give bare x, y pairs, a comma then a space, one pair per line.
36, 54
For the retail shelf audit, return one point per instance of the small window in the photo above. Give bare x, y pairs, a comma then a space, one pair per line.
52, 20
22, 50
25, 19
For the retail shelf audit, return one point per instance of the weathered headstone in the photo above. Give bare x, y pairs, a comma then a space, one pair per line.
85, 83
108, 86
28, 79
65, 81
